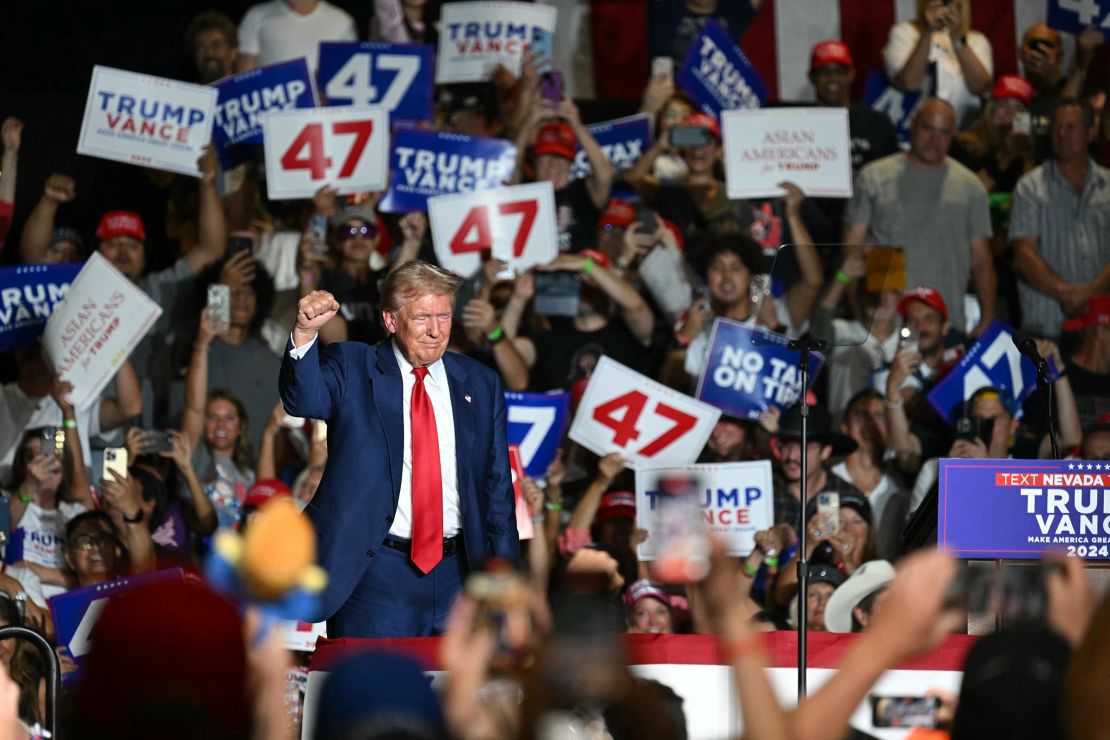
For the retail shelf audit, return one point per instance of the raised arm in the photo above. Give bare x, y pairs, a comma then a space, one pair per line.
201, 516
11, 136
803, 294
212, 226
35, 242
124, 495
607, 469
308, 385
128, 402
635, 312
77, 488
600, 180
196, 382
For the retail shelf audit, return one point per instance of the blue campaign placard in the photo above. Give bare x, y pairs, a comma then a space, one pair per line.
1024, 508
900, 107
992, 360
398, 77
1072, 16
28, 296
75, 612
623, 141
243, 100
750, 369
537, 423
423, 164
717, 74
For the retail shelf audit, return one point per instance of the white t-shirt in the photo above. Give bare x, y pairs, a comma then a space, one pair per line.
19, 412
31, 583
274, 33
44, 536
697, 354
950, 83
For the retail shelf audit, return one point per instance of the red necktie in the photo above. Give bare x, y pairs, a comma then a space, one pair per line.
427, 486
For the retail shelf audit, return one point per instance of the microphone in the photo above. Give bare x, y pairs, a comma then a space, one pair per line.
1026, 345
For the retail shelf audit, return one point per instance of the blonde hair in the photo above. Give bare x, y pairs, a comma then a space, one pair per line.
414, 279
965, 14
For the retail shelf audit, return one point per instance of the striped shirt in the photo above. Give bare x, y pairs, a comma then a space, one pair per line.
1071, 231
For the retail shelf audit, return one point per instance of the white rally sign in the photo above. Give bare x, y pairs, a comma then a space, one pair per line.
306, 149
807, 146
476, 37
92, 332
515, 224
650, 424
735, 499
145, 120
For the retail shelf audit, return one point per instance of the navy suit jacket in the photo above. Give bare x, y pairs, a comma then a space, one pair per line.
357, 389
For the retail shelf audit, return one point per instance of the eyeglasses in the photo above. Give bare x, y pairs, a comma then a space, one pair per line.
87, 542
365, 231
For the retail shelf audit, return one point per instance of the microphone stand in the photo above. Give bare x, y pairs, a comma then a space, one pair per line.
1044, 380
803, 347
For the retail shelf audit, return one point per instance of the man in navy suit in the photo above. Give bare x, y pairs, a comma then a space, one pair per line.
417, 490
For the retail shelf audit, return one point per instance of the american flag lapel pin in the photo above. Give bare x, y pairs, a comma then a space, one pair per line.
467, 398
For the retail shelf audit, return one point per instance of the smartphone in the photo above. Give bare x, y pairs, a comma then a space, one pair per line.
683, 533
1022, 123
54, 441
219, 305
318, 228
557, 293
645, 220
552, 86
908, 339
663, 67
115, 458
828, 504
973, 428
240, 241
904, 711
154, 442
690, 136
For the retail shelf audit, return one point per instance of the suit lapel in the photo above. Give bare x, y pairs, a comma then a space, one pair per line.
462, 407
388, 391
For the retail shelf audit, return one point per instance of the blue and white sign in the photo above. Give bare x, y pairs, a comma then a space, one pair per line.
28, 296
750, 369
477, 37
75, 612
245, 98
398, 77
736, 500
992, 361
623, 141
537, 422
717, 74
899, 106
428, 163
1073, 16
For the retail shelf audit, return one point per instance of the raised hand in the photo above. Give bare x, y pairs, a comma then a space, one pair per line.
60, 188
313, 311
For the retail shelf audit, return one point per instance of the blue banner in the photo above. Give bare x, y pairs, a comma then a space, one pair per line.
427, 163
1073, 16
899, 106
623, 141
28, 295
398, 77
750, 369
75, 612
244, 99
718, 76
1024, 508
992, 361
537, 423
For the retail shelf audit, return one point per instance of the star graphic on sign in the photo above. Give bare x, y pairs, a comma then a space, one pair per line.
1090, 467
1071, 466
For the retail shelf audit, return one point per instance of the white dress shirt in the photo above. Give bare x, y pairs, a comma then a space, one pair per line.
435, 384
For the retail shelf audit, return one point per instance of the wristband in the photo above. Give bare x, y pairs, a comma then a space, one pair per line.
681, 340
734, 650
23, 497
134, 519
538, 519
749, 570
772, 562
588, 267
554, 506
69, 423
893, 404
496, 335
842, 278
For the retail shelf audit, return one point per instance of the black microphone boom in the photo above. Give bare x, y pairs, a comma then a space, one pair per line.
1026, 345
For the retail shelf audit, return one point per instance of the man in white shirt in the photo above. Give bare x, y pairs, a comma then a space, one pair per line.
280, 30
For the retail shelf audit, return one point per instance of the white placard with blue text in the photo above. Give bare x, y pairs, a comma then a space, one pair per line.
245, 98
476, 37
735, 499
647, 422
1072, 16
537, 422
398, 77
147, 121
623, 141
717, 75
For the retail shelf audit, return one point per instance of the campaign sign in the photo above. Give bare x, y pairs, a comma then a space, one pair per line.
341, 147
75, 612
717, 75
476, 37
28, 296
647, 422
808, 146
145, 120
993, 360
750, 369
515, 224
398, 77
623, 141
537, 422
524, 525
900, 107
735, 500
427, 163
1024, 508
1073, 16
245, 98
302, 636
92, 332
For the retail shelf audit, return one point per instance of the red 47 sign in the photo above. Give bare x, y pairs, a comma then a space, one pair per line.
515, 224
308, 148
649, 424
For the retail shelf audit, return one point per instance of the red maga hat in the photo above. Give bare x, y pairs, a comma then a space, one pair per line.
929, 296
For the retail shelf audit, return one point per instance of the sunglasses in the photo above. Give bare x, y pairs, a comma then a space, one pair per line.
364, 231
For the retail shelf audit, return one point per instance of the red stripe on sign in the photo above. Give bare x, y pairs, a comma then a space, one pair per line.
864, 28
825, 650
758, 43
996, 19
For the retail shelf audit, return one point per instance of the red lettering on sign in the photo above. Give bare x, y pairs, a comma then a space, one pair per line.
624, 429
312, 138
362, 131
476, 220
527, 209
683, 423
